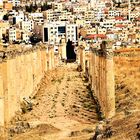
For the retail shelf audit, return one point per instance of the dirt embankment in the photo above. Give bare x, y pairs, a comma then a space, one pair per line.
125, 124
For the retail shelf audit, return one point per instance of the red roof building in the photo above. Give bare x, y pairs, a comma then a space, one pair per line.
120, 25
119, 18
93, 36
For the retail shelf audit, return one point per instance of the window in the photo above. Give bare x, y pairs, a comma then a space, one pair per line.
61, 29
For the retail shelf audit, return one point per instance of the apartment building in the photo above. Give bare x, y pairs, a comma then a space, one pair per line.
100, 5
93, 3
14, 2
57, 5
91, 31
4, 25
16, 34
99, 14
37, 17
89, 15
80, 9
17, 17
12, 34
25, 37
102, 31
66, 16
52, 32
113, 13
71, 32
49, 14
108, 24
27, 25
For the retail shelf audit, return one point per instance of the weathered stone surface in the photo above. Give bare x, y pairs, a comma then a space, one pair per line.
21, 70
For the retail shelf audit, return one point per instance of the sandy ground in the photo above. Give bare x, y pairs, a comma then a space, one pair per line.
64, 110
62, 105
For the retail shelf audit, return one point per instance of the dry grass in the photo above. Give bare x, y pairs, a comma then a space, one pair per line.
127, 78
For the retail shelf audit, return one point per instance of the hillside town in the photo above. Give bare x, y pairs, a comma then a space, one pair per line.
29, 22
69, 69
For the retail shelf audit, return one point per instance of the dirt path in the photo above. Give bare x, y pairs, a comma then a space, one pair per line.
64, 104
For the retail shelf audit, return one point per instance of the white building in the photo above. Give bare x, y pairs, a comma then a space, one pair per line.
93, 3
80, 9
99, 14
113, 13
27, 25
52, 32
12, 34
108, 24
66, 16
89, 15
14, 2
57, 5
100, 5
25, 37
18, 17
37, 17
71, 32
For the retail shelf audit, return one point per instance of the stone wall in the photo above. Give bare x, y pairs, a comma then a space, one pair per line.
20, 73
105, 67
100, 69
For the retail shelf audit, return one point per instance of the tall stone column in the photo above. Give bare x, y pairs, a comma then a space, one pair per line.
97, 74
82, 57
6, 97
43, 60
110, 83
63, 48
1, 95
90, 66
50, 58
93, 68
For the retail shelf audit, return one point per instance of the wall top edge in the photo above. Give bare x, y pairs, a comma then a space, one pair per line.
11, 51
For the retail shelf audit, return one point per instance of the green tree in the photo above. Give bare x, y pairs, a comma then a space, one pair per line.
45, 6
31, 8
5, 17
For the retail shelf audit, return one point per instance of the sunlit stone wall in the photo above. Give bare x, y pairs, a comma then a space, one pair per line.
21, 71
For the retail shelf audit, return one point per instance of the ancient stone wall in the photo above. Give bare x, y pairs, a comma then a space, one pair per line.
20, 73
105, 68
100, 68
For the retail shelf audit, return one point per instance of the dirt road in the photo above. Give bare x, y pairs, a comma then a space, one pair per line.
63, 108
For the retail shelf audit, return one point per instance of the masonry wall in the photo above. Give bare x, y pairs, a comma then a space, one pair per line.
106, 69
100, 69
103, 85
20, 73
